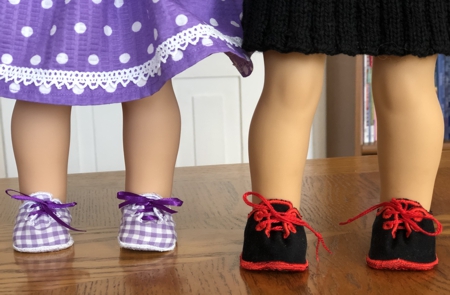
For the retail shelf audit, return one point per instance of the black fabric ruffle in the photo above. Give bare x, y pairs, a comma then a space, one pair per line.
374, 27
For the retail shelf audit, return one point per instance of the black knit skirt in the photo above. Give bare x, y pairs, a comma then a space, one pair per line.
375, 27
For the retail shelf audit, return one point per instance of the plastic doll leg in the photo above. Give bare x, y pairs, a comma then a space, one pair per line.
151, 136
410, 127
281, 124
410, 139
41, 139
278, 145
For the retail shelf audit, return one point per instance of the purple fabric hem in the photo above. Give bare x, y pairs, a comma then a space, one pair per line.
131, 91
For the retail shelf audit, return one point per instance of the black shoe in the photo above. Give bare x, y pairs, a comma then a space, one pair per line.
403, 236
274, 237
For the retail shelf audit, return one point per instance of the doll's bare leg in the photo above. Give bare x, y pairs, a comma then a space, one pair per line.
281, 124
410, 127
41, 139
151, 136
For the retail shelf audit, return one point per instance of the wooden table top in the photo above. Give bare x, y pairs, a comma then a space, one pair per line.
210, 232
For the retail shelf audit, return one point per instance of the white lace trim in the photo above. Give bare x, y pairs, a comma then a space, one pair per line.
138, 74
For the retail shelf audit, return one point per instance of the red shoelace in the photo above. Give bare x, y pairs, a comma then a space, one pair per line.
266, 216
404, 217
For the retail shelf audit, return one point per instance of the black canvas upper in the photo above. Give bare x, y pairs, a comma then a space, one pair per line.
260, 248
418, 247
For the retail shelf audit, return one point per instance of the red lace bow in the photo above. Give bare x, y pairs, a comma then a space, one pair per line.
406, 215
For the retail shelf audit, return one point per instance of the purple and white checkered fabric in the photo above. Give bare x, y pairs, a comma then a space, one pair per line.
41, 233
138, 233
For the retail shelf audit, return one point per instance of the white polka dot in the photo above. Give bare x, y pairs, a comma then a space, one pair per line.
97, 1
44, 89
181, 20
107, 30
141, 82
62, 58
159, 71
14, 88
155, 1
124, 58
27, 31
241, 16
35, 60
155, 33
67, 1
235, 24
118, 3
136, 26
213, 22
80, 28
111, 88
7, 59
53, 30
14, 2
150, 49
77, 90
207, 42
46, 4
177, 55
93, 59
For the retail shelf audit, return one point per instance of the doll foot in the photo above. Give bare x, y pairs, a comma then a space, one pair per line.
42, 224
403, 236
147, 223
274, 237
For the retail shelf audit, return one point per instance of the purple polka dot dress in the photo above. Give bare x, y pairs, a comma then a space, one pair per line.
90, 52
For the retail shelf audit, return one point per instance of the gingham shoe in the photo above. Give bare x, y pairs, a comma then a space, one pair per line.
42, 224
147, 223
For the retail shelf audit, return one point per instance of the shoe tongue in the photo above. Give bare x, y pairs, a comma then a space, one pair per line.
44, 197
152, 196
409, 204
280, 205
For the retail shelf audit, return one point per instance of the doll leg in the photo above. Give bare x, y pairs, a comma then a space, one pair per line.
410, 138
41, 139
278, 144
281, 125
151, 136
410, 127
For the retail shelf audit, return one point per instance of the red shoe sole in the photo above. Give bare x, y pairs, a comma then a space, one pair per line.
273, 265
400, 264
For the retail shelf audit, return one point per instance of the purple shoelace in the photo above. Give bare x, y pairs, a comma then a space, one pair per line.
149, 204
42, 207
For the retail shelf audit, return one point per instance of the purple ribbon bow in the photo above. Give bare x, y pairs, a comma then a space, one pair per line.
45, 207
149, 204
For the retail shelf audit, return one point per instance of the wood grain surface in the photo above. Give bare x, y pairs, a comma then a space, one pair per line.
210, 232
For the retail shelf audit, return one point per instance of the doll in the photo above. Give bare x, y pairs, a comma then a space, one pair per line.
56, 54
296, 36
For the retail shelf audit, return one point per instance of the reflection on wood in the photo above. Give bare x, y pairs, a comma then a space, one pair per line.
210, 231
